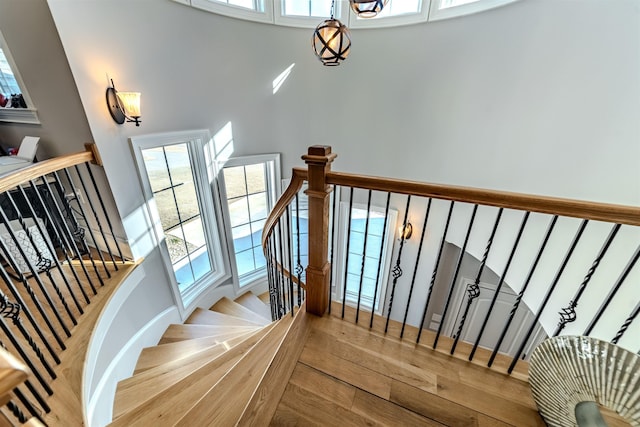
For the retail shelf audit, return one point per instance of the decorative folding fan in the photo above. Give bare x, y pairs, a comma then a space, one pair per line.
566, 372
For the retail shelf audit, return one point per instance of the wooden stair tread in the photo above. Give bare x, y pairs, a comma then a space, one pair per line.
164, 353
226, 306
265, 298
238, 384
133, 390
209, 317
177, 332
253, 303
168, 405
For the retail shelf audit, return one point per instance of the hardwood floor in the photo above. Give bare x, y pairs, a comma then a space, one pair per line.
348, 375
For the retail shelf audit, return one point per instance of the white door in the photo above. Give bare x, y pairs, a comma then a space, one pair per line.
499, 315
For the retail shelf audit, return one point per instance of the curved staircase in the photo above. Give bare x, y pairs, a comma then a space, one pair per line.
180, 380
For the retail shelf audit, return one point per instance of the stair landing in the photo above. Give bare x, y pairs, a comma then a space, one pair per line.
349, 375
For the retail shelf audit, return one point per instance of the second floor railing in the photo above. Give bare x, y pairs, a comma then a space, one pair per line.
57, 249
483, 275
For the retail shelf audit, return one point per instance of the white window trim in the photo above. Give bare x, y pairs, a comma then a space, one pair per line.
279, 18
234, 11
27, 115
188, 300
437, 13
391, 21
340, 256
256, 278
430, 10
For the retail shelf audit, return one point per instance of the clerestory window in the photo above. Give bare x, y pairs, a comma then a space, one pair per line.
307, 13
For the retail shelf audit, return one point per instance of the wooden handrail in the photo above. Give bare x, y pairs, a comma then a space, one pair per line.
12, 373
44, 167
320, 178
620, 214
299, 176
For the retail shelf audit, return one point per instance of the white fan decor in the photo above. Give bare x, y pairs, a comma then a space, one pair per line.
570, 371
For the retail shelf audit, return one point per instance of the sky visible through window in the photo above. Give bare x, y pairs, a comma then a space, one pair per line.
8, 83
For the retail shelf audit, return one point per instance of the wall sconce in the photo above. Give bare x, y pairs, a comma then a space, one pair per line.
123, 105
405, 231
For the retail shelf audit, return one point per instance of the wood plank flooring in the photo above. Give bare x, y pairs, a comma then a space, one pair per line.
348, 375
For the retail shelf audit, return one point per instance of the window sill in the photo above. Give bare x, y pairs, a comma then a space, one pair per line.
19, 115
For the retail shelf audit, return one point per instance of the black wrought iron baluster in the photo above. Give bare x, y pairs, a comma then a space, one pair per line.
626, 324
516, 304
66, 233
270, 281
285, 292
568, 314
612, 293
276, 281
35, 412
104, 211
29, 406
299, 268
333, 237
503, 277
435, 270
54, 256
364, 256
25, 309
44, 264
83, 213
452, 285
16, 411
554, 283
415, 268
276, 271
473, 291
346, 261
397, 270
60, 236
33, 271
79, 231
10, 310
289, 266
21, 352
382, 246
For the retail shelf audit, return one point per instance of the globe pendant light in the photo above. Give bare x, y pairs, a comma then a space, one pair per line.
331, 41
367, 8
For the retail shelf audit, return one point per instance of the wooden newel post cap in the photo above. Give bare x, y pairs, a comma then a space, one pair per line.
319, 154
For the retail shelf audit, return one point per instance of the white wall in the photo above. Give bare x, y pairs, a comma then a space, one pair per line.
539, 96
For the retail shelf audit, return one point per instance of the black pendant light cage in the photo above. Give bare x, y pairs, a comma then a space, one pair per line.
331, 42
367, 8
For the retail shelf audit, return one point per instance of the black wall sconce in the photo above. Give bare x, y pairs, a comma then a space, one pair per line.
123, 105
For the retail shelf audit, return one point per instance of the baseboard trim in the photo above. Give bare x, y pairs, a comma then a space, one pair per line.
99, 411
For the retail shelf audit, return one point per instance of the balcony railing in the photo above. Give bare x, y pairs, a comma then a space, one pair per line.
57, 249
485, 275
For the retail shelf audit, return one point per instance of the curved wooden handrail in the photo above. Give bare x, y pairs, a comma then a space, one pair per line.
620, 214
44, 167
299, 176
